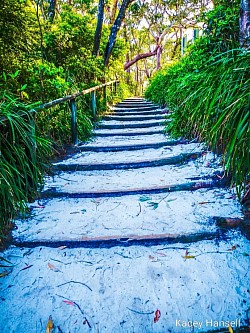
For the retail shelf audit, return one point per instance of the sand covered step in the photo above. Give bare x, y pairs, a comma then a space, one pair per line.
202, 182
148, 179
138, 105
114, 290
141, 113
128, 153
104, 132
128, 141
136, 108
125, 241
81, 166
114, 124
133, 118
128, 147
182, 213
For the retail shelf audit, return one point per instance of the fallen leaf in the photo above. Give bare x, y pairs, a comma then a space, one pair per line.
188, 257
234, 247
170, 200
161, 254
157, 316
153, 204
26, 267
205, 202
4, 274
53, 268
50, 325
69, 302
233, 222
144, 198
62, 247
37, 206
230, 329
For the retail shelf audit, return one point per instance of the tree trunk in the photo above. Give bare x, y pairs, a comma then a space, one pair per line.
98, 31
245, 23
115, 29
113, 12
158, 58
52, 10
139, 57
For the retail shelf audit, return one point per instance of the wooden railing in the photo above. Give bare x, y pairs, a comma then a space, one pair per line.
71, 99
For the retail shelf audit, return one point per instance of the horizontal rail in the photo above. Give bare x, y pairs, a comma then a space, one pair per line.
64, 99
72, 105
74, 96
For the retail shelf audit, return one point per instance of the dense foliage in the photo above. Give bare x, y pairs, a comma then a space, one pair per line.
44, 56
208, 91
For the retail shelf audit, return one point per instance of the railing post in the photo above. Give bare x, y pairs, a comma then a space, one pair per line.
93, 104
105, 95
115, 86
74, 134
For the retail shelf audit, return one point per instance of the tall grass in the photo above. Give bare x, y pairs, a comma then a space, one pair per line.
22, 157
213, 104
25, 153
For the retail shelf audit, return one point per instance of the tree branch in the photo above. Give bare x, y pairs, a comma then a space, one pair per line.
115, 29
98, 31
141, 56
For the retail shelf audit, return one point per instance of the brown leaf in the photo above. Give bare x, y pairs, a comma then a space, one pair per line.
69, 302
50, 325
187, 255
53, 268
161, 254
205, 202
62, 247
234, 247
233, 222
157, 316
26, 267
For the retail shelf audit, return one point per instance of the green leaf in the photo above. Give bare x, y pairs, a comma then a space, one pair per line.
144, 198
153, 204
23, 87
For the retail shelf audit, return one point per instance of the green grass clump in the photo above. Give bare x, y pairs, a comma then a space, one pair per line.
22, 157
213, 104
208, 92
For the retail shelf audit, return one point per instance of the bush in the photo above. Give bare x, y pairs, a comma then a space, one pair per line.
208, 93
22, 158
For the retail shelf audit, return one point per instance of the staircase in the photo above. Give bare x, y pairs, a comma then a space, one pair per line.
136, 232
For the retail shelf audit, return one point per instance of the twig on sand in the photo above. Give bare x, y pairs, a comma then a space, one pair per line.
139, 210
78, 306
84, 284
139, 312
